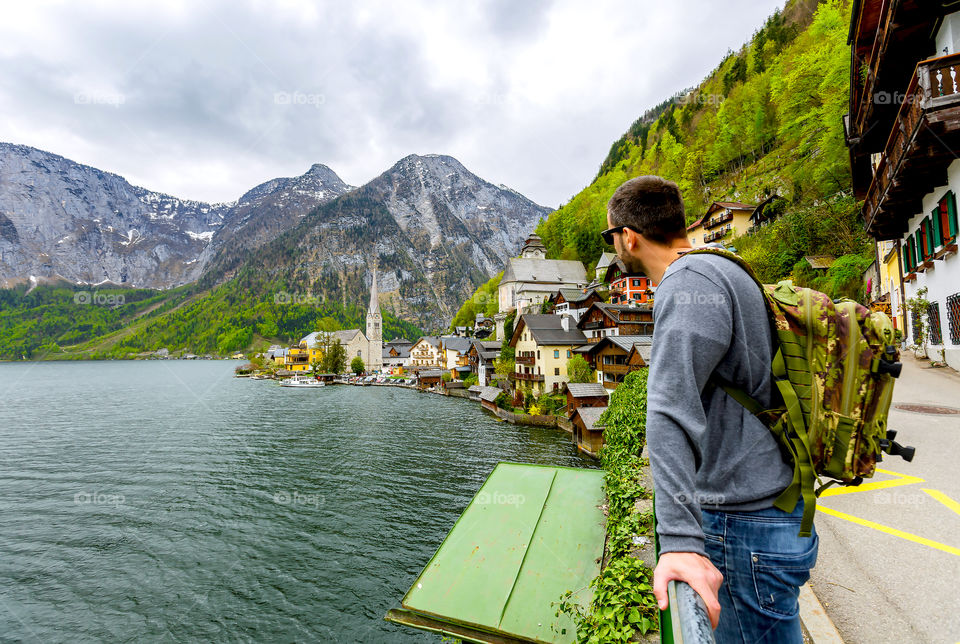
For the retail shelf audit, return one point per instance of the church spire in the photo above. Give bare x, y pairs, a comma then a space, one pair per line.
374, 296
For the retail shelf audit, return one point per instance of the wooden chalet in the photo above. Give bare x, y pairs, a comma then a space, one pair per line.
586, 433
610, 356
585, 394
602, 320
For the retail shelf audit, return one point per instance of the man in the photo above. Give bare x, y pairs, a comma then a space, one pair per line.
717, 469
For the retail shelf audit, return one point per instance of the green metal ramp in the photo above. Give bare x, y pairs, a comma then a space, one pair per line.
530, 534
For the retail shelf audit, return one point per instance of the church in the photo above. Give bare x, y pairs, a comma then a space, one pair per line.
367, 347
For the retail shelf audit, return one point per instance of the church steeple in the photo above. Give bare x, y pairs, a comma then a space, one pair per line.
374, 361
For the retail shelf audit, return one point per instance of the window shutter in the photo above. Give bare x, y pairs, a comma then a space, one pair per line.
937, 232
918, 246
951, 214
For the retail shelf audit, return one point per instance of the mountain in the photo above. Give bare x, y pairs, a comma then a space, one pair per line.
435, 230
266, 211
61, 219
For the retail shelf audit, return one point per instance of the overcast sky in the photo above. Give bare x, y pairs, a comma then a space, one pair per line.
204, 100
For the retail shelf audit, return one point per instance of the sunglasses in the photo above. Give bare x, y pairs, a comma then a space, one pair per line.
610, 232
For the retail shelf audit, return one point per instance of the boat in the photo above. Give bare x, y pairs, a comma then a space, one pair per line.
305, 382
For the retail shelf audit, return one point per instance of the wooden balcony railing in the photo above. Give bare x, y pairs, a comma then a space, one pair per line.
719, 219
529, 360
535, 377
916, 145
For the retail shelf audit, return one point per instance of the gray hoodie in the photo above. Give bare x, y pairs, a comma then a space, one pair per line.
706, 450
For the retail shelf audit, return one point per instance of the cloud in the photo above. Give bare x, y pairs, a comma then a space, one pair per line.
205, 100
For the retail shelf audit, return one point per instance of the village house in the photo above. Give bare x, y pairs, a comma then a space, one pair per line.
602, 320
610, 357
530, 280
903, 151
587, 434
428, 378
723, 221
639, 356
310, 348
888, 291
396, 355
600, 271
483, 326
425, 352
585, 394
480, 358
626, 288
574, 301
543, 344
452, 348
488, 398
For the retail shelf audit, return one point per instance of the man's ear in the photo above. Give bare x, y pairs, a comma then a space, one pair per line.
632, 240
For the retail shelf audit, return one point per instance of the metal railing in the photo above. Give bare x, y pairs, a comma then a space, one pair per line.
686, 620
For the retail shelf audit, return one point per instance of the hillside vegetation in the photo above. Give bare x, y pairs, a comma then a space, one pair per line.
63, 322
767, 121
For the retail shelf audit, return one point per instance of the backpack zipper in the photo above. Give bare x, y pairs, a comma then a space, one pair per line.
849, 358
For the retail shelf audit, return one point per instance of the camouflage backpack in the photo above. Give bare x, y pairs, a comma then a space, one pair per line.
833, 366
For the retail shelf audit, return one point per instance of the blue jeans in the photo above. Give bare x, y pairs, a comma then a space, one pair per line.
764, 563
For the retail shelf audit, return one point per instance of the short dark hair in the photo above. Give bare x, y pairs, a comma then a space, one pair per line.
652, 206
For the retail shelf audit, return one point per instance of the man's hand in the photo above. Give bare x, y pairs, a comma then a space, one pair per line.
696, 570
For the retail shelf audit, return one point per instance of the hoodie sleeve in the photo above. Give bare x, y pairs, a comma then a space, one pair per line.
692, 333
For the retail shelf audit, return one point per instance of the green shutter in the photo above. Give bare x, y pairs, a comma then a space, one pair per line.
918, 245
937, 233
905, 258
952, 213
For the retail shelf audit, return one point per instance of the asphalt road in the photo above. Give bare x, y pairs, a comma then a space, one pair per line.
889, 564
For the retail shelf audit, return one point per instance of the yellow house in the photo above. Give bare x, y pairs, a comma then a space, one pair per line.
543, 344
891, 282
724, 220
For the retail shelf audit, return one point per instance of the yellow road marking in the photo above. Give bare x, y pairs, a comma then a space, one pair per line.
943, 498
891, 531
904, 479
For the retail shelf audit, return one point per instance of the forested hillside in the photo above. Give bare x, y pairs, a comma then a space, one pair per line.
57, 322
767, 121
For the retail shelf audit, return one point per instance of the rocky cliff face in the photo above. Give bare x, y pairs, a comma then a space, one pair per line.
61, 219
435, 229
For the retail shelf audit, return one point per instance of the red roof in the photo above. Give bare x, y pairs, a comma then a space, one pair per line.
695, 224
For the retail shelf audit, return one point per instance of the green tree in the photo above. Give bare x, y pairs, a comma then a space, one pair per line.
578, 370
356, 365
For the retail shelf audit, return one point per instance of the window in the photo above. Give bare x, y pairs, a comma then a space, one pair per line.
635, 282
933, 318
556, 371
569, 355
556, 353
953, 317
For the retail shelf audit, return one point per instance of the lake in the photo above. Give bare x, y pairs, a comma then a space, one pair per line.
170, 501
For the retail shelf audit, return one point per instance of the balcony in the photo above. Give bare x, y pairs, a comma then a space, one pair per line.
719, 219
918, 150
528, 360
592, 325
533, 377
